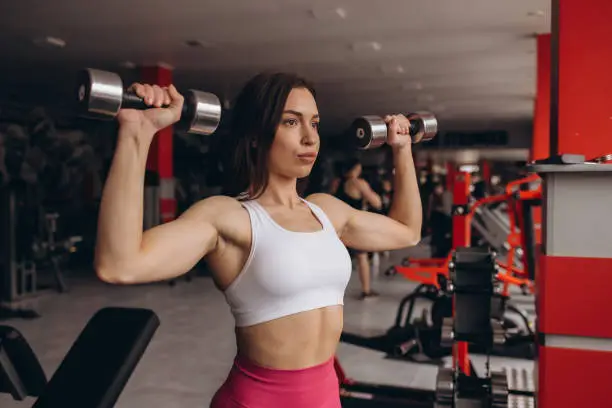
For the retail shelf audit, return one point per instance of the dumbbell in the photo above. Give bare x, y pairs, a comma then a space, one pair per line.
607, 158
369, 132
101, 94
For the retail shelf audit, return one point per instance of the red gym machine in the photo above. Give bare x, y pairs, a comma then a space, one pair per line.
426, 271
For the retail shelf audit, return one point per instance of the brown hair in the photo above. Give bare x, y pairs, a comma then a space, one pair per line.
255, 117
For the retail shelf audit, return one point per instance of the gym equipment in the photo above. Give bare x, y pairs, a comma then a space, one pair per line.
472, 274
417, 336
101, 94
21, 375
30, 249
48, 251
96, 368
469, 391
370, 132
472, 285
471, 310
605, 159
411, 337
356, 394
518, 246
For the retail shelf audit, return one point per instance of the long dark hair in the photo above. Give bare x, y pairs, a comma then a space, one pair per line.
350, 164
255, 117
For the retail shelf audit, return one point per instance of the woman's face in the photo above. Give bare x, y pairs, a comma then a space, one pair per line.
296, 142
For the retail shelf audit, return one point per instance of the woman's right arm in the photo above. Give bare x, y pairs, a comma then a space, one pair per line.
124, 254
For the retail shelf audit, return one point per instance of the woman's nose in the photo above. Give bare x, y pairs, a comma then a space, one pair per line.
310, 136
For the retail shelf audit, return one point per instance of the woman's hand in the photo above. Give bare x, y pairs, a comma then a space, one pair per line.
398, 131
156, 117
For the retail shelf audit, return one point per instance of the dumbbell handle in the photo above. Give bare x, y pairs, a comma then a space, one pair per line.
414, 127
132, 101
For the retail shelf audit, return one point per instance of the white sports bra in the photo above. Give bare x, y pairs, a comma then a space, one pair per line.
288, 272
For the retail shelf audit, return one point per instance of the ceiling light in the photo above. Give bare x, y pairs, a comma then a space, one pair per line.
367, 46
164, 65
536, 13
412, 86
51, 42
392, 69
425, 98
469, 168
128, 64
340, 12
326, 13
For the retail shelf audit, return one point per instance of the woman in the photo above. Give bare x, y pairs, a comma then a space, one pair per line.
280, 260
356, 192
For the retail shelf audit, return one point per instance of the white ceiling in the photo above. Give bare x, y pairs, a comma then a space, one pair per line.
469, 61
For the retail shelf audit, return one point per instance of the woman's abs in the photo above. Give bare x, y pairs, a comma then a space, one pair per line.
293, 342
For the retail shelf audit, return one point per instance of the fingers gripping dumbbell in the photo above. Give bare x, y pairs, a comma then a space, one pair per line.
369, 132
101, 94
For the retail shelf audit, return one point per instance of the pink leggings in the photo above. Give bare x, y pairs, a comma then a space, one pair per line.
251, 386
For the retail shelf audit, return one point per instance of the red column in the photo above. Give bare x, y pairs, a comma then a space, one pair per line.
573, 278
485, 172
451, 169
540, 144
461, 196
461, 238
160, 154
581, 108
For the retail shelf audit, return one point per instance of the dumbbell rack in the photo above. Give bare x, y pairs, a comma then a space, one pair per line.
472, 285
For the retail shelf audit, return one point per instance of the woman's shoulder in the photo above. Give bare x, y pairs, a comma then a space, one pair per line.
333, 208
219, 201
227, 215
219, 206
321, 199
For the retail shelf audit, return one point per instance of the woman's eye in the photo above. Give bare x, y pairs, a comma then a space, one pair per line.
315, 125
291, 122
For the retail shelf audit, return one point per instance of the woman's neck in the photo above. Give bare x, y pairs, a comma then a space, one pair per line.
280, 192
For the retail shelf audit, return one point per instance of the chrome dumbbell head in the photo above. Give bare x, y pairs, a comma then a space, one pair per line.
447, 336
99, 93
445, 388
499, 333
201, 112
499, 389
368, 132
423, 126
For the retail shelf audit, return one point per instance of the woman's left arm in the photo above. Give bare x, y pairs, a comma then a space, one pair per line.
368, 231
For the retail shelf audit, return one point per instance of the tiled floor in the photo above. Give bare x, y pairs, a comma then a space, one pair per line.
193, 348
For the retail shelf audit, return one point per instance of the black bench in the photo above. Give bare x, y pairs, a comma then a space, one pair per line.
94, 372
